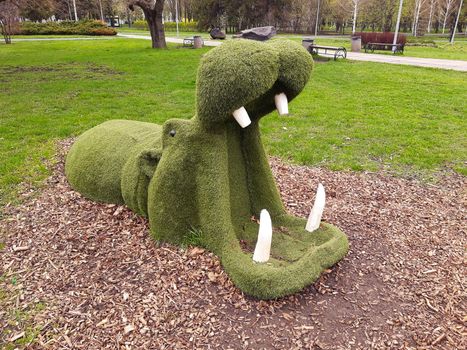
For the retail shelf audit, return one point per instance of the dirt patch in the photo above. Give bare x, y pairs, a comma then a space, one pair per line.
59, 71
106, 284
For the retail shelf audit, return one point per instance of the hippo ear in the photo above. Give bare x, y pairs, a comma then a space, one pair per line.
148, 160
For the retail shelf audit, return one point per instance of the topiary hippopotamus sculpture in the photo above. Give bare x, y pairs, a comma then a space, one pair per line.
204, 181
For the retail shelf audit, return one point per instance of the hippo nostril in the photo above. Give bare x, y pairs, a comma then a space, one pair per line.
172, 133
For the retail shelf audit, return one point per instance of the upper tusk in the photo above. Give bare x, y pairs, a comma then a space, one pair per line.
314, 220
282, 104
263, 245
242, 117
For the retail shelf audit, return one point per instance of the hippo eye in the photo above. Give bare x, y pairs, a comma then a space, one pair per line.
172, 133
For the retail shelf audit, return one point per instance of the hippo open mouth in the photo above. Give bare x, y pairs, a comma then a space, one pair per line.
207, 180
271, 252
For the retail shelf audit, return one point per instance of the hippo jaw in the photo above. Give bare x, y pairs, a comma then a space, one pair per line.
275, 255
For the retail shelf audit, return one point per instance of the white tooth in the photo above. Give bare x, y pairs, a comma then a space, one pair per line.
263, 245
281, 104
241, 116
314, 219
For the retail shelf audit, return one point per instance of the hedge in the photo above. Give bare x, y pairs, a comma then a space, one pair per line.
170, 26
84, 27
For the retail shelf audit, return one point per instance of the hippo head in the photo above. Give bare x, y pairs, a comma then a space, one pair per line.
245, 80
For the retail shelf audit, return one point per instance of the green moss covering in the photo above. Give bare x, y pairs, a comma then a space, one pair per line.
209, 176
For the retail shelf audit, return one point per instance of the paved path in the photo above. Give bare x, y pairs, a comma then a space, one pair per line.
169, 40
357, 56
411, 61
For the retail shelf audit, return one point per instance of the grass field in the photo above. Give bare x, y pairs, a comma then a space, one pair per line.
352, 115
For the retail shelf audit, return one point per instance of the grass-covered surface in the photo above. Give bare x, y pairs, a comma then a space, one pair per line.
352, 115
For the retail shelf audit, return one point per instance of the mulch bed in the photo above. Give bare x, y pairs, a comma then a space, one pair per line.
106, 284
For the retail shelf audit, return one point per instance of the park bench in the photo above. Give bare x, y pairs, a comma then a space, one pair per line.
328, 50
190, 42
399, 48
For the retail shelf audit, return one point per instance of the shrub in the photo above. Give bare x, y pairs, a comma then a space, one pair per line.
85, 27
385, 38
170, 26
140, 24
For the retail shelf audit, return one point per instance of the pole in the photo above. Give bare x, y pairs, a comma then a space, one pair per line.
457, 21
317, 20
74, 8
176, 14
397, 26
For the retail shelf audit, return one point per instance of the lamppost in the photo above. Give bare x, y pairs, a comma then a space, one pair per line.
394, 42
317, 20
457, 21
176, 14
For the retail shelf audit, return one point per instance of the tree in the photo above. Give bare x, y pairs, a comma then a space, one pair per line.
152, 10
37, 10
9, 13
420, 7
446, 9
355, 10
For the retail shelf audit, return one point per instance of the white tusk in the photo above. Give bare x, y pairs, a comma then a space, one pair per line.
263, 245
242, 117
281, 104
316, 212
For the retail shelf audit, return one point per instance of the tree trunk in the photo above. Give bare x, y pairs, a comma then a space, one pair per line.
153, 14
430, 17
156, 28
354, 16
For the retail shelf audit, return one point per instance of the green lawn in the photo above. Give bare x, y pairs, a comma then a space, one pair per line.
352, 115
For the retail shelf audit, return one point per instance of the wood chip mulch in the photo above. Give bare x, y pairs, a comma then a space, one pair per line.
105, 284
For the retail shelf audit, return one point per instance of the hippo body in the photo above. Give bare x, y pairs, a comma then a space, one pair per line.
203, 181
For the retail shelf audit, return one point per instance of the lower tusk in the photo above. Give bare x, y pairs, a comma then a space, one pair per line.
242, 117
314, 220
263, 245
282, 104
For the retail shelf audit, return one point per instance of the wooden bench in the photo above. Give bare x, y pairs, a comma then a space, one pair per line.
398, 48
324, 50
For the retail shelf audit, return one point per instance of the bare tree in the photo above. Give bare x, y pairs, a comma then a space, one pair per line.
446, 8
420, 6
9, 13
355, 9
152, 10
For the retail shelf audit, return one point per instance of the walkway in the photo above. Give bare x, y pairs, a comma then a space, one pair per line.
357, 56
168, 39
410, 61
